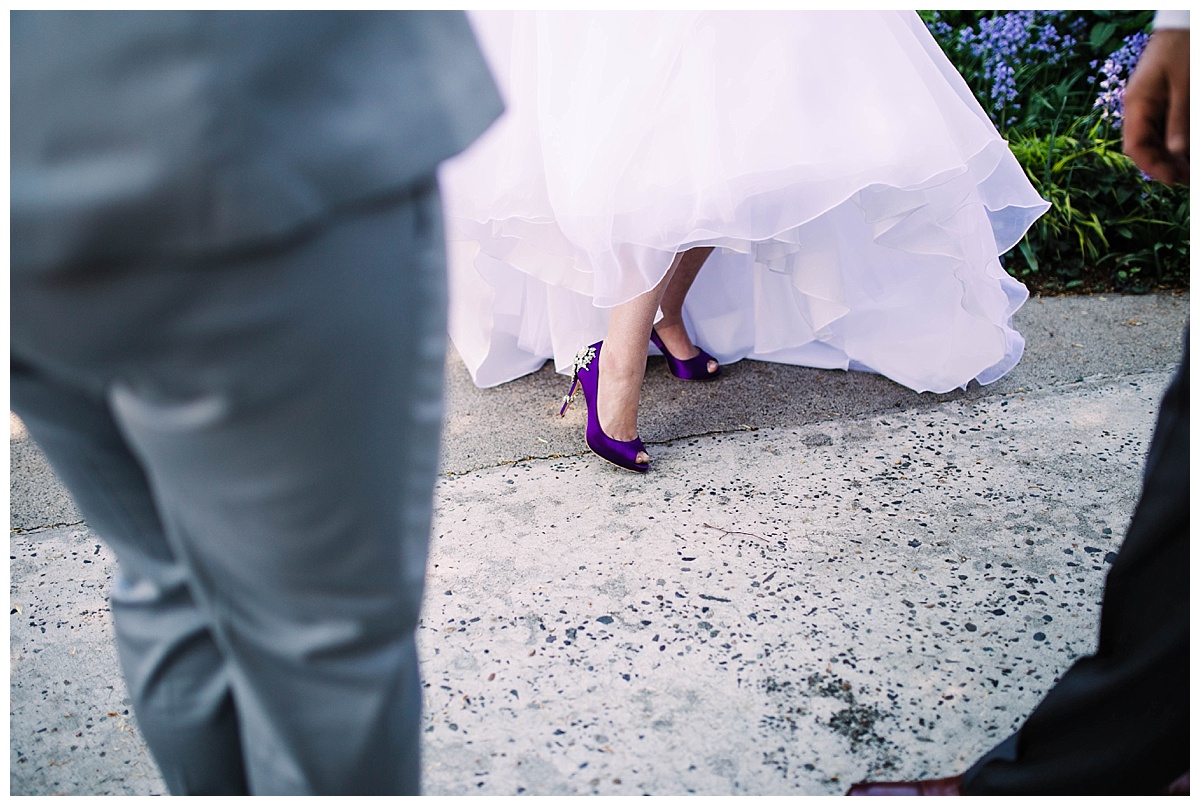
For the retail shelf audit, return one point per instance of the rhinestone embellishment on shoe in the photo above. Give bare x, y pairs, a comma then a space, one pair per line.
584, 358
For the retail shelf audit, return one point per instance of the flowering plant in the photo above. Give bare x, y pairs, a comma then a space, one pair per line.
1053, 83
1031, 68
1115, 72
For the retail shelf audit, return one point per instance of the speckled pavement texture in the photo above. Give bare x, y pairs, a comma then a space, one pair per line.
876, 584
779, 612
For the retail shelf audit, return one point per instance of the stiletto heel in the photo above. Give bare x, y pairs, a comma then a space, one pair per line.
690, 369
587, 378
570, 395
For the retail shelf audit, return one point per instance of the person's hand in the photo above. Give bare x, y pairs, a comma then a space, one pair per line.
1156, 107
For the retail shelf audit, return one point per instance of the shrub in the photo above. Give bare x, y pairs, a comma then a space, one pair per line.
1052, 81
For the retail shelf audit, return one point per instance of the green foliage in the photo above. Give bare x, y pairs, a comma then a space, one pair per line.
1109, 228
1052, 82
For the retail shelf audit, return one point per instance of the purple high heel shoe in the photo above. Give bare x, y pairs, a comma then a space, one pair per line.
587, 377
691, 369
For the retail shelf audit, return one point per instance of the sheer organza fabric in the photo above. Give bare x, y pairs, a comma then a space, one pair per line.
857, 194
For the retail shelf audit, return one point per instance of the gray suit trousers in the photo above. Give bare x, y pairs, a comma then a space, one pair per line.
257, 440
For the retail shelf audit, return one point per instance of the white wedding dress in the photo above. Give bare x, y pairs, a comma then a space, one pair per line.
857, 194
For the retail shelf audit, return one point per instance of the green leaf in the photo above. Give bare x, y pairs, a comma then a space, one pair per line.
1029, 255
1101, 34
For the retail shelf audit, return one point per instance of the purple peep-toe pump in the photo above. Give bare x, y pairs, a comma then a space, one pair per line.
587, 377
691, 369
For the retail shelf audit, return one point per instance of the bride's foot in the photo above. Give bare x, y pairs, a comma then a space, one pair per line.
618, 391
683, 356
606, 433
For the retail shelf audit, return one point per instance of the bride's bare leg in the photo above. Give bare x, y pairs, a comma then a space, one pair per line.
623, 362
671, 329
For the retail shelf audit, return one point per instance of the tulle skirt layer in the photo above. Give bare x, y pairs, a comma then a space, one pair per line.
857, 196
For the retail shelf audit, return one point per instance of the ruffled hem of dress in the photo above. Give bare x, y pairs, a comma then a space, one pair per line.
953, 224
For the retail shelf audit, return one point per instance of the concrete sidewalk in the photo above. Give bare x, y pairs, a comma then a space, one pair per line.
825, 576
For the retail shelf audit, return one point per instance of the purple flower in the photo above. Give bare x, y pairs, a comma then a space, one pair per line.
1114, 73
1006, 43
941, 29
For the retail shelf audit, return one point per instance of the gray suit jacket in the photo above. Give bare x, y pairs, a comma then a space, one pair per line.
142, 136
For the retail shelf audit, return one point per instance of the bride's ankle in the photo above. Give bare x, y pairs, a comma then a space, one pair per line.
618, 394
676, 339
619, 369
670, 324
